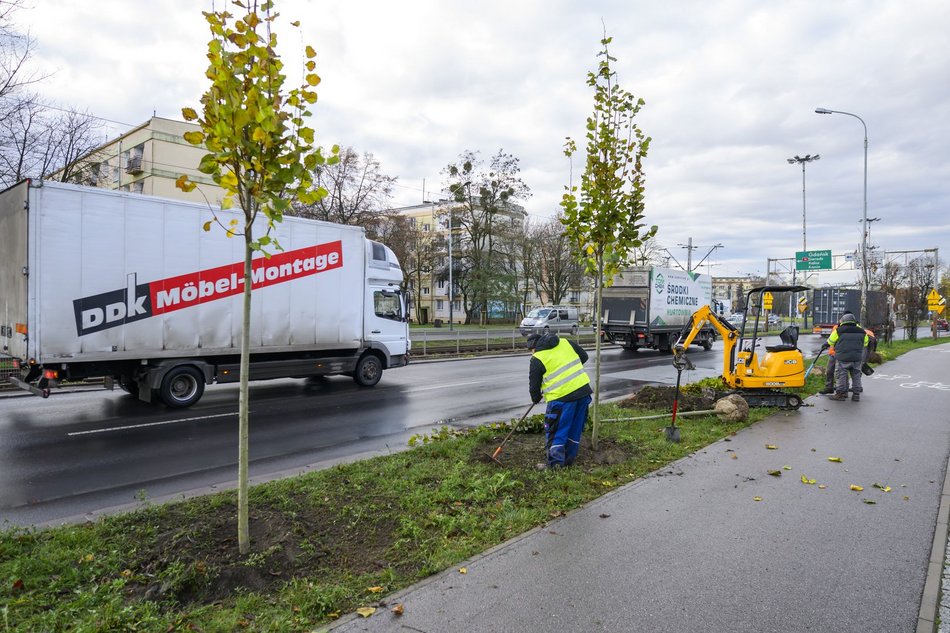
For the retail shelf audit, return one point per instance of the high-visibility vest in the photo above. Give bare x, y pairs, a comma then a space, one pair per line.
563, 371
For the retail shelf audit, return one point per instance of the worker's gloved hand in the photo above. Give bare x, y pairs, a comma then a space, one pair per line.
825, 346
535, 401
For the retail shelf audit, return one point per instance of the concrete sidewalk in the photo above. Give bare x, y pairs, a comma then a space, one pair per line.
690, 548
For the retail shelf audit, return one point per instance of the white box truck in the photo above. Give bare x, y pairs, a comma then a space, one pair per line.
128, 287
648, 306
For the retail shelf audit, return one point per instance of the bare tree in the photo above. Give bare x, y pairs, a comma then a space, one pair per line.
16, 48
36, 139
559, 268
358, 191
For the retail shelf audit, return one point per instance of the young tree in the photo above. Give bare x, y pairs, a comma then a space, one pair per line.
260, 153
604, 220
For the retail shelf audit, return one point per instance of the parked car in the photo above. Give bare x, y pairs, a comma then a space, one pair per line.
942, 324
775, 319
735, 319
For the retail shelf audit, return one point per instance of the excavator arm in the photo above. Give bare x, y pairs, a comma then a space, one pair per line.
728, 332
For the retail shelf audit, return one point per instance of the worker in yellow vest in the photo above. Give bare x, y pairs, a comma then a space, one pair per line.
557, 372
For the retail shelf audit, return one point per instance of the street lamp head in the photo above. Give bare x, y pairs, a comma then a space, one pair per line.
823, 111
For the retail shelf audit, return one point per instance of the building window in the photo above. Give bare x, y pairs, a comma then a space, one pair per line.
441, 284
575, 296
439, 304
425, 227
425, 290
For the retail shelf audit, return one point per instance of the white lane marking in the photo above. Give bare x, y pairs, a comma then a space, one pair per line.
458, 384
142, 426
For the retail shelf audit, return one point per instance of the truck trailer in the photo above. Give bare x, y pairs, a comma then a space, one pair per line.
648, 307
129, 288
828, 304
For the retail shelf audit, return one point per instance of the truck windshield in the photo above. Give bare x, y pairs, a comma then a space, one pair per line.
387, 305
538, 313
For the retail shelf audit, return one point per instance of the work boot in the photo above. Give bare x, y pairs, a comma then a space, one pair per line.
855, 397
838, 396
826, 391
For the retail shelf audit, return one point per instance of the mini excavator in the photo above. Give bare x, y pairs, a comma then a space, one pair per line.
758, 379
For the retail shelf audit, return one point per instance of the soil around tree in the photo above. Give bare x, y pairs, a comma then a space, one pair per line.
661, 399
311, 541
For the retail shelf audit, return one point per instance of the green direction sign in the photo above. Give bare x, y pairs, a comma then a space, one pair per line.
813, 260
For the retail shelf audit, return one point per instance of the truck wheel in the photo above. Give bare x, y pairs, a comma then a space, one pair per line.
182, 387
129, 386
707, 344
369, 369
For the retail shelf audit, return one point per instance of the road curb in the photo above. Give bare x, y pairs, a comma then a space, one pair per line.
930, 600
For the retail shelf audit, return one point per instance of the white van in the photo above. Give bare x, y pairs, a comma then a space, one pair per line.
550, 319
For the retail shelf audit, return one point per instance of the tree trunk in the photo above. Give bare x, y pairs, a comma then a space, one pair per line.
595, 428
244, 545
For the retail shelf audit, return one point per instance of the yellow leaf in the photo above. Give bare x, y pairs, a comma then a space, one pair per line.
366, 611
374, 589
775, 473
609, 484
806, 480
310, 52
229, 180
884, 488
227, 202
295, 23
184, 184
786, 467
312, 79
126, 573
734, 456
837, 460
334, 615
206, 226
757, 498
771, 447
89, 558
259, 135
463, 570
857, 488
398, 609
189, 114
194, 137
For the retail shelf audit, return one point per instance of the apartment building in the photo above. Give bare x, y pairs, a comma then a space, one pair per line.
149, 159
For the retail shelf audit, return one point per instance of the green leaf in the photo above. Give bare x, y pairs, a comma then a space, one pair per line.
194, 137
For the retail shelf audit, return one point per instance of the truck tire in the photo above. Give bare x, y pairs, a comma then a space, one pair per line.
182, 387
369, 369
707, 344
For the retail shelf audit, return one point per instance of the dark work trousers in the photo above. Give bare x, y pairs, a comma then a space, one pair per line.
830, 374
563, 425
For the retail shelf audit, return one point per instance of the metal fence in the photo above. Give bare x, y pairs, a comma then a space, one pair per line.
439, 341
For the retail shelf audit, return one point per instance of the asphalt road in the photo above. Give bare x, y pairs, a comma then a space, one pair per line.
85, 452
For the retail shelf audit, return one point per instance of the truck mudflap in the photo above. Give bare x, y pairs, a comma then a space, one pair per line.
767, 398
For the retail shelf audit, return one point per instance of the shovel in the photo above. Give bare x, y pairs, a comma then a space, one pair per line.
820, 352
681, 362
494, 456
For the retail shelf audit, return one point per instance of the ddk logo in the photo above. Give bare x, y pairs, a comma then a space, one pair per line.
658, 284
109, 309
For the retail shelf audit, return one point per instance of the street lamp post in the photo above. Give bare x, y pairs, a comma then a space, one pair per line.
864, 216
807, 158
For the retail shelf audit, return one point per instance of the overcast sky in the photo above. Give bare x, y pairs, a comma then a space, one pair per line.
730, 86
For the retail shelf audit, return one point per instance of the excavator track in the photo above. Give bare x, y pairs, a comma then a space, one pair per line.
769, 398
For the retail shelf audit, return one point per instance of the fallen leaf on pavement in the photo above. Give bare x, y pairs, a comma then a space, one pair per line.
771, 447
398, 609
857, 488
757, 498
734, 456
837, 460
884, 488
775, 473
786, 467
604, 516
822, 486
463, 570
869, 502
806, 480
366, 611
